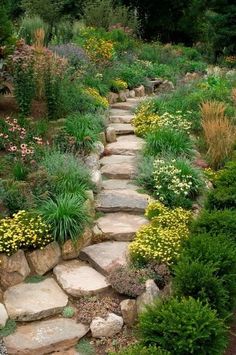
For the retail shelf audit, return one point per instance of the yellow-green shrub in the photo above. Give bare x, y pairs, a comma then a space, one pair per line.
23, 230
99, 51
146, 120
161, 239
99, 100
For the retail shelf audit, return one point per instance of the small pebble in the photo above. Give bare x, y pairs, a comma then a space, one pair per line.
3, 350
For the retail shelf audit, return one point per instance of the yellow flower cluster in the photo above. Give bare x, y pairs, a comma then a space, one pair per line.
211, 175
161, 239
119, 84
99, 100
99, 50
146, 120
23, 230
231, 59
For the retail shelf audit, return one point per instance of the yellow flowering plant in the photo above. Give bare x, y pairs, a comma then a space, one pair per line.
161, 239
99, 51
146, 120
118, 85
23, 230
98, 99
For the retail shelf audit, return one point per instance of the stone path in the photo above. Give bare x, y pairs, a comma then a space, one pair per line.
123, 213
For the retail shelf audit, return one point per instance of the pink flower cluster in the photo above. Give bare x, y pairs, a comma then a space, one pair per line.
13, 141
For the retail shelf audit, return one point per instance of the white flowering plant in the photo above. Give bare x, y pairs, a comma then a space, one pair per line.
176, 181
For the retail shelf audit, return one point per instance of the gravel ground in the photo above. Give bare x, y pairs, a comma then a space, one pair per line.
3, 350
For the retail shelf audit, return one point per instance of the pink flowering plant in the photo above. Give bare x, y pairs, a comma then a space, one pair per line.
16, 140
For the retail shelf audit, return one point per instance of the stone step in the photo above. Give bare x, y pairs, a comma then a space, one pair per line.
125, 145
127, 105
119, 226
119, 171
122, 128
106, 256
79, 279
116, 184
45, 337
117, 159
119, 118
121, 201
32, 301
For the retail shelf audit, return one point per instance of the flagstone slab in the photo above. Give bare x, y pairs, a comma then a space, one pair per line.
121, 201
117, 184
106, 256
44, 337
121, 117
120, 226
119, 171
118, 159
126, 145
79, 279
122, 128
32, 301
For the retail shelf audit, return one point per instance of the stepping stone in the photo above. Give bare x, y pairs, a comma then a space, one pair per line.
118, 159
121, 201
44, 337
119, 171
121, 118
126, 145
106, 256
79, 279
122, 128
32, 301
120, 226
116, 184
124, 105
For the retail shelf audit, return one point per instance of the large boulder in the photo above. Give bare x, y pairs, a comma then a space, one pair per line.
3, 316
14, 269
43, 260
139, 91
70, 250
129, 312
148, 296
106, 327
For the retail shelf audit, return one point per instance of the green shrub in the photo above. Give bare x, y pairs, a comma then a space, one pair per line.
139, 349
176, 181
66, 216
85, 348
184, 326
197, 280
68, 312
9, 328
67, 173
216, 223
224, 194
85, 129
132, 73
15, 195
28, 27
167, 141
144, 176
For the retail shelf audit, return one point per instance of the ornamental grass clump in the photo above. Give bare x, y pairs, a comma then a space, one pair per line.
219, 133
161, 239
176, 181
23, 230
168, 141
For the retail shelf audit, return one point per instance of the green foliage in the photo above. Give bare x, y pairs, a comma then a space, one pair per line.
28, 27
142, 350
34, 279
174, 325
9, 328
85, 129
6, 28
216, 223
53, 87
144, 176
103, 13
85, 348
15, 195
66, 216
19, 171
68, 312
132, 73
197, 280
167, 141
224, 194
48, 10
68, 174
